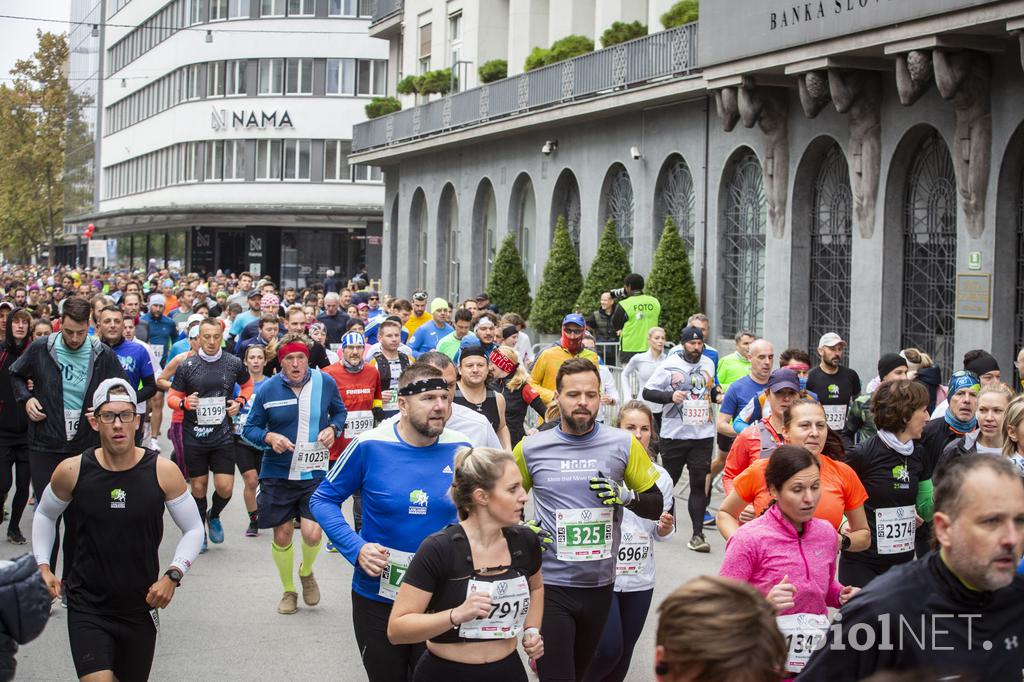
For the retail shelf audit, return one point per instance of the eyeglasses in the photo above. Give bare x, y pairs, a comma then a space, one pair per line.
374, 298
109, 417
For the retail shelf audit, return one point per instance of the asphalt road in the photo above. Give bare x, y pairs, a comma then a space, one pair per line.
223, 621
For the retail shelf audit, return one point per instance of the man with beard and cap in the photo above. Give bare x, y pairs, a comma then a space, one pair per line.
960, 609
981, 363
550, 360
860, 424
359, 385
404, 472
685, 384
834, 384
582, 474
960, 419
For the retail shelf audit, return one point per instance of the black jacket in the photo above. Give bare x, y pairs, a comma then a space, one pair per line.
934, 439
601, 323
24, 609
13, 420
39, 363
980, 634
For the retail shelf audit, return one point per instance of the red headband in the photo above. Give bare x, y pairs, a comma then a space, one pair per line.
293, 347
502, 362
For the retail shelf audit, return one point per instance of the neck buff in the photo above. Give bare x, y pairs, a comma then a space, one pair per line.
211, 358
354, 369
572, 345
958, 382
893, 443
301, 382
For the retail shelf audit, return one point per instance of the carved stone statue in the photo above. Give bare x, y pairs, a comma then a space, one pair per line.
965, 78
913, 75
814, 92
728, 109
769, 109
859, 93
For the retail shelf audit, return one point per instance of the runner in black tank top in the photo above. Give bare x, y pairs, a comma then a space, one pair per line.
473, 375
114, 585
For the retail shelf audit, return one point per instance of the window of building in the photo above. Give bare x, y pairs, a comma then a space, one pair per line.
214, 161
366, 8
195, 14
194, 87
336, 160
299, 80
364, 173
342, 8
215, 79
235, 77
341, 76
455, 38
271, 77
268, 159
424, 53
234, 159
189, 161
218, 10
296, 159
272, 8
238, 9
373, 77
301, 8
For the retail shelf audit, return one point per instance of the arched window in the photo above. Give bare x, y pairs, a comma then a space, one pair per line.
618, 205
742, 244
929, 252
674, 197
831, 248
566, 202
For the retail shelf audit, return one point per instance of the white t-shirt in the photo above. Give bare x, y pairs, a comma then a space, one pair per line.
694, 379
475, 427
634, 526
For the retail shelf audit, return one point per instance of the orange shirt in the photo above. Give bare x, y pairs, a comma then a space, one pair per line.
745, 450
841, 489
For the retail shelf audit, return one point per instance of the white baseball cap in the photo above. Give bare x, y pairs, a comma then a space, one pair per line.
157, 299
830, 339
101, 396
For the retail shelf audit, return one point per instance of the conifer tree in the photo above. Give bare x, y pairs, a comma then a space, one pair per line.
560, 285
671, 281
507, 287
610, 267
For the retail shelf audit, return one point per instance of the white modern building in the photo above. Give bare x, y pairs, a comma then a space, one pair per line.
224, 128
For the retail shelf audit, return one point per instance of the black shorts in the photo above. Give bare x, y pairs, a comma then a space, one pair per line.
122, 644
247, 457
220, 459
280, 500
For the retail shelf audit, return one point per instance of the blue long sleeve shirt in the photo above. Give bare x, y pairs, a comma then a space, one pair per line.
404, 492
301, 418
426, 337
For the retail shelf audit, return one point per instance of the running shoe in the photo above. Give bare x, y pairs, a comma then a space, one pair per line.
709, 520
205, 548
330, 547
252, 531
216, 531
310, 589
698, 544
289, 603
15, 537
154, 444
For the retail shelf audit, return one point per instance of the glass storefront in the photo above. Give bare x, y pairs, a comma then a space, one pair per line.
307, 255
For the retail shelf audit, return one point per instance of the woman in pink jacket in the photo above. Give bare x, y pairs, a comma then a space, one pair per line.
789, 555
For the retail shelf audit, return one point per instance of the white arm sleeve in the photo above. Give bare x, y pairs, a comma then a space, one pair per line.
44, 524
185, 513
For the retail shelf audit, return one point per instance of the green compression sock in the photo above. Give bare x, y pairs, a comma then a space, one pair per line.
309, 555
284, 557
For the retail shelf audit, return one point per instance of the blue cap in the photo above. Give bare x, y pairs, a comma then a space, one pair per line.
574, 318
352, 339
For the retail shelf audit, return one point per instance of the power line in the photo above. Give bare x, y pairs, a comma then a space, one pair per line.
200, 29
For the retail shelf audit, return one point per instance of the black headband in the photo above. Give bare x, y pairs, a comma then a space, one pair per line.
424, 385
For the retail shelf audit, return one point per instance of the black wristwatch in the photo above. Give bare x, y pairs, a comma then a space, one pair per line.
847, 542
175, 575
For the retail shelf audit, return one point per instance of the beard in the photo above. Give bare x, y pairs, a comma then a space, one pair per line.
978, 570
424, 427
692, 358
578, 424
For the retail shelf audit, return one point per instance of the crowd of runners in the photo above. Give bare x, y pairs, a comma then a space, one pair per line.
502, 500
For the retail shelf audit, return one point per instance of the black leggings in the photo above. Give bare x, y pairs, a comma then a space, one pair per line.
432, 668
626, 620
383, 661
574, 619
695, 455
15, 458
43, 464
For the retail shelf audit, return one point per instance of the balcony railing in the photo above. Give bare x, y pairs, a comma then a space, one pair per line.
667, 54
382, 9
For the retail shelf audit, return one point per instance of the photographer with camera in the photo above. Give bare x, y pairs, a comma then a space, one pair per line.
635, 314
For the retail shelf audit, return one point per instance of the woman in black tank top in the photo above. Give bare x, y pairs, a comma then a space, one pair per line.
475, 587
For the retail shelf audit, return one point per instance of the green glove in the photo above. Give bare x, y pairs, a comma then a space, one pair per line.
610, 492
544, 536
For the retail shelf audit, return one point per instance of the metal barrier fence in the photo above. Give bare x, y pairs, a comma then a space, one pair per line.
384, 8
656, 56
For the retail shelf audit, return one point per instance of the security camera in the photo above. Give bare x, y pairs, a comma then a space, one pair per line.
634, 152
549, 146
